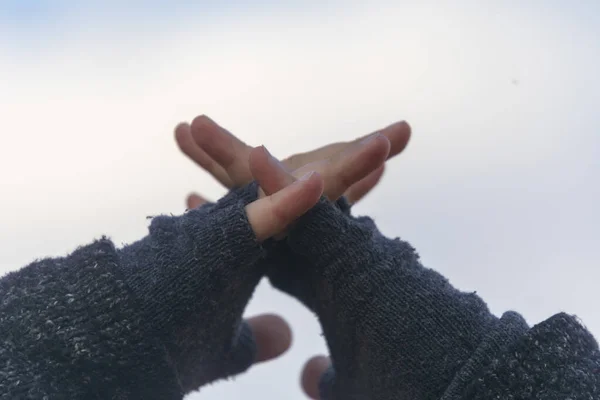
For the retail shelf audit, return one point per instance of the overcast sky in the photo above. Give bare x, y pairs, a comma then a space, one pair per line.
498, 189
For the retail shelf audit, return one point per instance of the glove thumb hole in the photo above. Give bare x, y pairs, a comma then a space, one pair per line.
326, 384
242, 353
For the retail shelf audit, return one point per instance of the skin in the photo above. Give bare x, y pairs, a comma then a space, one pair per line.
231, 169
351, 169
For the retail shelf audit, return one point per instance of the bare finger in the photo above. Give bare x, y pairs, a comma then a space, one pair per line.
273, 174
364, 186
397, 133
272, 334
355, 164
194, 201
311, 375
186, 143
271, 215
230, 153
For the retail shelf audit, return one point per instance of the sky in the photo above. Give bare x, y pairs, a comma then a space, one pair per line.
498, 189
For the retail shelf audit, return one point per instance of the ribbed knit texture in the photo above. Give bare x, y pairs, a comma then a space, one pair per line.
162, 317
398, 330
71, 330
194, 276
155, 320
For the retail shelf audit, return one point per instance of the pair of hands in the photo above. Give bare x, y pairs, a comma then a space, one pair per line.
290, 188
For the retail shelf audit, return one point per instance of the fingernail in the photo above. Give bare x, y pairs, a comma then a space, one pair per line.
396, 124
183, 125
371, 137
268, 153
306, 176
272, 159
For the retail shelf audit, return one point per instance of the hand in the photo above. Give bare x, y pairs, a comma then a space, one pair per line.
291, 195
272, 334
393, 327
229, 231
228, 159
339, 172
230, 167
289, 198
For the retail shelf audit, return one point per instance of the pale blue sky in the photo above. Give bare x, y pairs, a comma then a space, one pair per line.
498, 189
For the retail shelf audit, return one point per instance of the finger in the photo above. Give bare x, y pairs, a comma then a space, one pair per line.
230, 153
312, 373
194, 201
272, 334
364, 186
397, 133
271, 215
355, 164
186, 143
273, 176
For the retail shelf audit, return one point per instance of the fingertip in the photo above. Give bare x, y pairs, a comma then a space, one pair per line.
201, 120
399, 135
194, 201
181, 129
405, 126
311, 375
272, 334
400, 126
384, 140
258, 155
407, 134
316, 185
202, 129
379, 146
189, 202
257, 162
182, 135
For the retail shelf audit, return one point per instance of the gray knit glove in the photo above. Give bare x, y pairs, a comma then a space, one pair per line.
395, 329
194, 276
